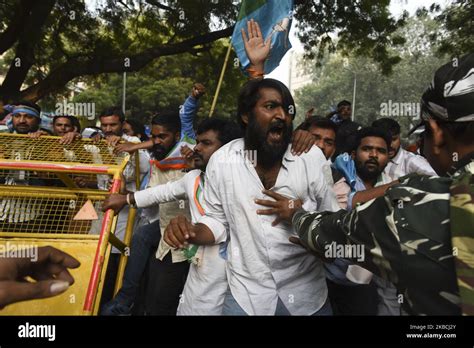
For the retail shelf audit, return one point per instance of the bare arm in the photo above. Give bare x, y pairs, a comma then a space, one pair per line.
133, 147
367, 195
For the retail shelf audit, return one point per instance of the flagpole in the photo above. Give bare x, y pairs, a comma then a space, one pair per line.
221, 78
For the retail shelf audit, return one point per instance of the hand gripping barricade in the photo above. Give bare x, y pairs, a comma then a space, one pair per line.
41, 204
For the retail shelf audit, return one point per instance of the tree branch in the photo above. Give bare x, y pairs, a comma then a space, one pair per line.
16, 26
76, 67
28, 40
160, 6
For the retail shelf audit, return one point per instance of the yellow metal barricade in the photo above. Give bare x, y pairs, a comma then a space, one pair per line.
42, 204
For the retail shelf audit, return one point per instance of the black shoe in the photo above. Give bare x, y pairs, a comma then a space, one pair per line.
116, 308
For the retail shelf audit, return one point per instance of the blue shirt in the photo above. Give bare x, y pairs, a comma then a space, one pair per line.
187, 113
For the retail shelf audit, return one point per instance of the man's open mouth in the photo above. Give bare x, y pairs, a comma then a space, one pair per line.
275, 133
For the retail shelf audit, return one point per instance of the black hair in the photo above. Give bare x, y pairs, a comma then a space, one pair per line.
138, 128
56, 117
249, 95
169, 120
74, 121
113, 111
371, 132
29, 104
319, 122
227, 130
461, 132
344, 103
389, 125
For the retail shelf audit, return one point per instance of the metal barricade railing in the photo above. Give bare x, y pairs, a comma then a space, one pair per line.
40, 202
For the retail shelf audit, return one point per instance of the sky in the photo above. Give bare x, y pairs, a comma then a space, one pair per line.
396, 8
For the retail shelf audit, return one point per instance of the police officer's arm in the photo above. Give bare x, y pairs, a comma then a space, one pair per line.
365, 226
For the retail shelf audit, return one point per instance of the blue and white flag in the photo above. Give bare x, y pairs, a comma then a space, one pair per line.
274, 18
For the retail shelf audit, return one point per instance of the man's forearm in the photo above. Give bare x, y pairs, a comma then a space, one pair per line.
146, 145
367, 195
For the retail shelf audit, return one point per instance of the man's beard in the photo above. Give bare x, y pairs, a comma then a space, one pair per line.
256, 139
366, 174
393, 152
199, 162
26, 129
159, 152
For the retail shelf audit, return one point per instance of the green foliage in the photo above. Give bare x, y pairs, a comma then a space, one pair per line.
80, 39
334, 81
166, 83
456, 34
364, 28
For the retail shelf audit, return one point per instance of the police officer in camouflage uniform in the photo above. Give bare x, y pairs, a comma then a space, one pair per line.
420, 234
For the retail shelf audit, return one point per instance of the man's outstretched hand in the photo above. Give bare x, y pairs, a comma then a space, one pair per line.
49, 268
256, 47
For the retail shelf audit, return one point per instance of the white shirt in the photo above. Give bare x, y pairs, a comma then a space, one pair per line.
130, 183
262, 263
206, 285
405, 163
129, 170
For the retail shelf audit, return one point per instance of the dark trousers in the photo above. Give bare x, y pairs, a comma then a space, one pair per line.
153, 285
353, 300
165, 284
110, 278
144, 241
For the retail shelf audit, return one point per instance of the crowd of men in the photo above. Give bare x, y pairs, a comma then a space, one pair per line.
260, 217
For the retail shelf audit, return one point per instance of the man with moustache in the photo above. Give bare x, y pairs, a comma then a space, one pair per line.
169, 132
25, 117
348, 286
16, 214
419, 235
238, 177
346, 128
167, 166
111, 121
370, 157
324, 132
63, 126
402, 162
206, 284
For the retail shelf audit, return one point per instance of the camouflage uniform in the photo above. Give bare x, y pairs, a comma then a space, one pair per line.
407, 238
462, 232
